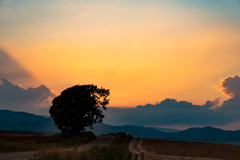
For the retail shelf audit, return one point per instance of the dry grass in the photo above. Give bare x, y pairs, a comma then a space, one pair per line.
20, 138
192, 149
117, 150
95, 153
2, 135
13, 142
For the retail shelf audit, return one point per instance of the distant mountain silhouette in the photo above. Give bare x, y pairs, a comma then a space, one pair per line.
160, 129
22, 121
15, 117
136, 131
208, 134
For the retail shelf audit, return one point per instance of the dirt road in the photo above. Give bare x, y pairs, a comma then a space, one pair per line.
100, 141
135, 147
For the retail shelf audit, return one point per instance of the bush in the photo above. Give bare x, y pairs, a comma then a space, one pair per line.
117, 150
90, 135
66, 135
95, 153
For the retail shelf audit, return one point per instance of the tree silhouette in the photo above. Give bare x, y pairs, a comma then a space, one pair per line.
78, 107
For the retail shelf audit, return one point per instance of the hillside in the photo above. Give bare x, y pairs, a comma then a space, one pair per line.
21, 121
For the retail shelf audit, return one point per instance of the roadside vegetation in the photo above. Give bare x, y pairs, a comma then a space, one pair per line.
117, 150
15, 142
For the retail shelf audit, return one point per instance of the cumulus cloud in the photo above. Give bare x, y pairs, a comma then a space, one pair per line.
172, 112
231, 105
14, 97
168, 112
230, 86
212, 104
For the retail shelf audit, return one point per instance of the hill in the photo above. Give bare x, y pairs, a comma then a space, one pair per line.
205, 134
15, 117
21, 121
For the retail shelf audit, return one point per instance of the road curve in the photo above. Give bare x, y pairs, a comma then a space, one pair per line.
99, 141
135, 147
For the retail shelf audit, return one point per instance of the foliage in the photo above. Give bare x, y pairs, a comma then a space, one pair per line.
117, 150
95, 153
122, 139
82, 138
78, 107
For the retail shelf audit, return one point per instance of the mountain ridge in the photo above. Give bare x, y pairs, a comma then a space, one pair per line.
16, 116
34, 123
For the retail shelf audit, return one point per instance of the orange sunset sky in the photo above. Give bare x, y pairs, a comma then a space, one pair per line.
143, 51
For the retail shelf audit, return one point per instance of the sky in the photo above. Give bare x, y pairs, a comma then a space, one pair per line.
145, 52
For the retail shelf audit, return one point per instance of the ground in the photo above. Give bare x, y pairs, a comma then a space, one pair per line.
163, 149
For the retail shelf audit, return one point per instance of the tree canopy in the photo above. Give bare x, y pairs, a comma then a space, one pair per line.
78, 107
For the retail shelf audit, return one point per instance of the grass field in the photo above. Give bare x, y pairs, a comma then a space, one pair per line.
117, 150
192, 149
13, 142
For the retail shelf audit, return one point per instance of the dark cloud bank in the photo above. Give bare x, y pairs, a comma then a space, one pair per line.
14, 97
172, 112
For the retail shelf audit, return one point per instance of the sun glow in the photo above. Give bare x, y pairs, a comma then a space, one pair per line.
142, 54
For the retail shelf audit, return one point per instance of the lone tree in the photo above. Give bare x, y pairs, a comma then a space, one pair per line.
78, 107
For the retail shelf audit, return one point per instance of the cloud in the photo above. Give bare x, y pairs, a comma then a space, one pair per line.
183, 113
230, 86
168, 112
212, 104
231, 105
14, 97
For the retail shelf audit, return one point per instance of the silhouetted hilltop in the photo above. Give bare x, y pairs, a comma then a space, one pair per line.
135, 131
160, 129
208, 134
21, 121
15, 117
